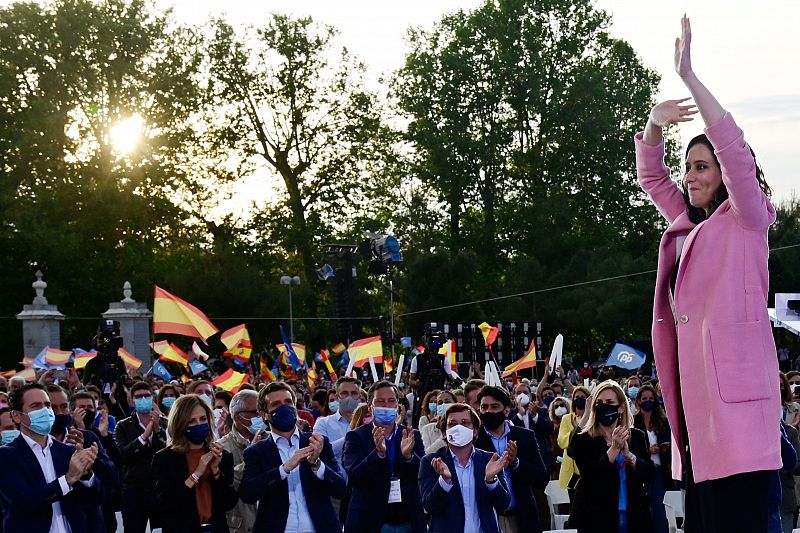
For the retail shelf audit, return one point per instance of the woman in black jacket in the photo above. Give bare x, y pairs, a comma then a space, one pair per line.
652, 421
194, 475
615, 465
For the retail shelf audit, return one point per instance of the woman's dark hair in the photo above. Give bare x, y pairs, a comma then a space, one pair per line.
786, 393
696, 214
321, 397
658, 419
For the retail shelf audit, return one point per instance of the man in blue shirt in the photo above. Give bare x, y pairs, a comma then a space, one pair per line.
292, 474
526, 469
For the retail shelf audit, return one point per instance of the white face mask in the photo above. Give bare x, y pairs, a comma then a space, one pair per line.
560, 411
523, 399
459, 436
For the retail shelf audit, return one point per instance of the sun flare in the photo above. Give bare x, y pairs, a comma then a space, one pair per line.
126, 133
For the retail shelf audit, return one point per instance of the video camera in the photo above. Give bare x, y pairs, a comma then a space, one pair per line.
108, 338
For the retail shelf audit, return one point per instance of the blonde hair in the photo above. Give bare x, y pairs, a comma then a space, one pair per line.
590, 424
551, 410
178, 422
361, 412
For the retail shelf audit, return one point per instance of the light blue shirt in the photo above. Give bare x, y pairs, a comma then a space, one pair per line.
298, 519
335, 427
466, 481
500, 445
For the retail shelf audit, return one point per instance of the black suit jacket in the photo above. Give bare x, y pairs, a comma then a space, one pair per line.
530, 472
597, 494
262, 483
27, 499
177, 504
137, 458
665, 435
370, 479
543, 429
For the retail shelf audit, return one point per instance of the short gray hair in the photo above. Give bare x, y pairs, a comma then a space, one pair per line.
238, 401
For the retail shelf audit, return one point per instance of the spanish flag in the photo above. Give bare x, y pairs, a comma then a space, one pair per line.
56, 357
299, 351
338, 349
489, 334
170, 352
266, 373
29, 374
361, 350
323, 354
82, 357
173, 315
237, 336
311, 375
230, 380
526, 361
449, 351
130, 360
387, 365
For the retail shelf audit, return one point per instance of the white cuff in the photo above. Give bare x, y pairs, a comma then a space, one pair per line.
444, 484
491, 486
320, 473
89, 482
282, 470
65, 488
144, 442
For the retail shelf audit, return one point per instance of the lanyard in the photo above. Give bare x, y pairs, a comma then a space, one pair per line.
623, 493
391, 443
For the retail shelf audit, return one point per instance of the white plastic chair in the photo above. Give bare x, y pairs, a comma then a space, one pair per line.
556, 496
561, 531
673, 506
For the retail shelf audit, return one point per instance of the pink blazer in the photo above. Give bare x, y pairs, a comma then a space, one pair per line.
715, 353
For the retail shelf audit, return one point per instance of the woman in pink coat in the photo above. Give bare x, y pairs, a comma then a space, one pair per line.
712, 337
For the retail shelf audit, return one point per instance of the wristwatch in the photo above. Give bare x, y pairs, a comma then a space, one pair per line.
316, 464
493, 480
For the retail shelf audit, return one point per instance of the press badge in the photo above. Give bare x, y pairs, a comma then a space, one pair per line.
394, 491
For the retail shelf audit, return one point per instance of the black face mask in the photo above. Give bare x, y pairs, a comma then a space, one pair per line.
88, 419
607, 414
61, 425
493, 421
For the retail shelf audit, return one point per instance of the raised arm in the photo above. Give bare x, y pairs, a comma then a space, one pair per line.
710, 109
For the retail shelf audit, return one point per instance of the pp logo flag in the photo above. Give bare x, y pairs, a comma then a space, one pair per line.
623, 356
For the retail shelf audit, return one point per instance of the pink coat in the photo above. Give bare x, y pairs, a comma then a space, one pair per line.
715, 353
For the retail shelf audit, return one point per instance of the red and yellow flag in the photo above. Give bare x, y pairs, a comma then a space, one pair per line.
312, 376
388, 366
299, 351
8, 373
231, 380
169, 352
29, 374
130, 360
489, 333
266, 373
82, 357
173, 315
361, 350
526, 361
449, 350
237, 336
338, 349
324, 355
56, 357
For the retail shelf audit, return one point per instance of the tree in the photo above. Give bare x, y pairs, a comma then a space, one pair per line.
298, 105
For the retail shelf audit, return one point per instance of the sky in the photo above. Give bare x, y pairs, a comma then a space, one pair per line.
744, 51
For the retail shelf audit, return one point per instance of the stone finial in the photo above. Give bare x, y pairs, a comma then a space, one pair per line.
39, 286
126, 292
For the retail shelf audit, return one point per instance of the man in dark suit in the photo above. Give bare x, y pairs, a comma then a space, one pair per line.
292, 474
138, 438
461, 486
526, 469
65, 430
45, 485
382, 461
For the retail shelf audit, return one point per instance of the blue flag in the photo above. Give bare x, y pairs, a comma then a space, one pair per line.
626, 357
161, 371
293, 360
344, 360
405, 342
39, 362
197, 367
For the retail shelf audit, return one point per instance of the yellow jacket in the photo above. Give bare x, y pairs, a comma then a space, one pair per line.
568, 466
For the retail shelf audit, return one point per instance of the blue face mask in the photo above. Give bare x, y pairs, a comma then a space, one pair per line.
633, 392
168, 401
385, 416
257, 424
284, 418
548, 400
42, 420
9, 435
580, 403
143, 405
198, 434
348, 404
208, 399
440, 409
333, 406
648, 406
432, 408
